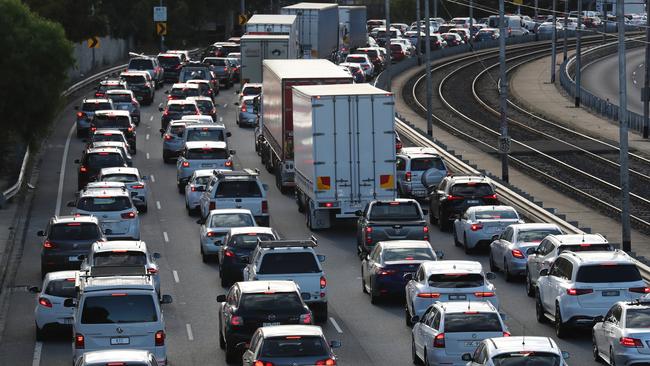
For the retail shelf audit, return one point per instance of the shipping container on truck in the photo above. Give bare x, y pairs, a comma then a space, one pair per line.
344, 137
352, 26
317, 28
274, 24
278, 76
257, 48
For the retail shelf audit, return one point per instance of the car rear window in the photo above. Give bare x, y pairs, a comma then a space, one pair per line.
134, 79
248, 241
422, 164
407, 254
637, 318
496, 215
293, 346
120, 258
230, 49
123, 178
205, 106
205, 134
233, 189
120, 98
216, 62
104, 160
169, 61
608, 273
231, 220
140, 64
104, 204
185, 92
206, 154
252, 90
176, 130
472, 322
104, 87
395, 47
471, 189
119, 309
91, 107
107, 137
269, 301
358, 60
526, 358
182, 107
107, 121
64, 287
280, 263
202, 180
456, 280
536, 235
74, 231
399, 211
586, 247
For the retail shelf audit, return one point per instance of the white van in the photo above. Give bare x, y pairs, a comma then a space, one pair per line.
515, 26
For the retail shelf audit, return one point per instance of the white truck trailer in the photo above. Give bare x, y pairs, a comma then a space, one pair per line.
257, 48
344, 155
352, 27
317, 28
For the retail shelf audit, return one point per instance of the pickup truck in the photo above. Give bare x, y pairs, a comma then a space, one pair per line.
399, 219
292, 260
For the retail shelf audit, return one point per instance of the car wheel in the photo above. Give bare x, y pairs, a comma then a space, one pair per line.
204, 257
222, 341
468, 250
181, 189
506, 271
426, 358
456, 242
432, 218
79, 134
407, 320
612, 359
539, 308
530, 289
144, 209
231, 354
374, 299
594, 349
493, 266
363, 284
40, 333
225, 281
560, 327
414, 355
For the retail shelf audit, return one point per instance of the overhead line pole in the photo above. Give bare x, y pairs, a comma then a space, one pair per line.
565, 49
471, 19
646, 80
427, 48
418, 48
504, 141
622, 123
388, 55
578, 54
554, 46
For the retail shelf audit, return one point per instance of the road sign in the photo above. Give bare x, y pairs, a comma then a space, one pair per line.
161, 28
93, 42
159, 13
599, 7
242, 19
504, 144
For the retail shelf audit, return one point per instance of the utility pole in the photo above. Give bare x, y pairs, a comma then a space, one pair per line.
536, 12
435, 8
646, 82
471, 19
578, 53
418, 48
605, 21
554, 46
622, 123
565, 49
162, 38
388, 64
504, 140
427, 48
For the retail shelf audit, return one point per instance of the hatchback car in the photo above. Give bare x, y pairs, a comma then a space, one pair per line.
106, 135
95, 159
151, 66
124, 100
250, 90
237, 247
205, 88
116, 120
135, 183
109, 84
525, 350
247, 115
171, 64
49, 312
418, 168
180, 91
122, 146
86, 111
194, 189
173, 139
176, 109
222, 69
201, 155
213, 230
452, 39
195, 71
206, 107
141, 84
479, 224
364, 60
621, 337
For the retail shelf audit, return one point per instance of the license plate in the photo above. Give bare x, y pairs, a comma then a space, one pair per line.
457, 297
67, 321
206, 165
270, 324
73, 258
139, 98
472, 202
471, 344
419, 193
118, 341
611, 293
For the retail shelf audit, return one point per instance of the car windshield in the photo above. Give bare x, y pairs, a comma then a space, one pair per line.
496, 215
471, 189
297, 262
248, 241
106, 87
205, 134
216, 62
91, 107
184, 92
269, 301
586, 247
206, 154
105, 160
231, 189
134, 79
120, 98
118, 308
104, 204
231, 220
535, 235
108, 137
252, 90
397, 211
358, 60
205, 106
608, 273
107, 121
186, 108
169, 61
120, 258
527, 358
456, 280
293, 346
140, 64
407, 254
422, 164
202, 180
74, 231
637, 318
64, 287
471, 322
123, 178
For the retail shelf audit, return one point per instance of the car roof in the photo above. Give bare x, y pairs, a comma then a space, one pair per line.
251, 229
469, 178
391, 244
125, 170
522, 343
246, 98
463, 306
59, 275
204, 172
198, 81
452, 266
264, 286
599, 257
578, 239
102, 185
403, 200
96, 100
117, 144
205, 144
255, 85
181, 101
200, 118
107, 246
92, 192
292, 330
533, 225
72, 218
101, 131
222, 211
116, 283
184, 86
116, 355
119, 91
167, 54
111, 82
113, 112
491, 208
96, 150
200, 125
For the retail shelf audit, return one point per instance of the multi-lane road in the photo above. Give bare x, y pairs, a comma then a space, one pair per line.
371, 335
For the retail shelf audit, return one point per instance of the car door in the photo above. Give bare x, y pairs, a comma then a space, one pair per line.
418, 331
534, 260
361, 224
559, 275
480, 355
434, 200
503, 244
459, 226
607, 330
412, 288
371, 264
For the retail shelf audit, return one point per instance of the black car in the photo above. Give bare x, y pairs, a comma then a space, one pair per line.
222, 68
142, 88
65, 239
253, 304
171, 64
455, 194
116, 120
94, 159
238, 245
176, 109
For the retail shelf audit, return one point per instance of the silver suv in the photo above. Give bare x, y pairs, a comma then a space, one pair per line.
418, 168
201, 155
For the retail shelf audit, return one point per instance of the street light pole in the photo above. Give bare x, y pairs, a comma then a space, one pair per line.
427, 48
554, 46
626, 240
418, 48
504, 141
578, 54
388, 64
566, 36
646, 81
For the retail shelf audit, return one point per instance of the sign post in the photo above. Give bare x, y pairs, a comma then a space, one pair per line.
160, 19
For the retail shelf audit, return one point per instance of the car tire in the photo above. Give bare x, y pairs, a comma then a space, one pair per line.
414, 356
561, 329
426, 359
374, 299
493, 266
467, 249
539, 308
443, 223
204, 256
407, 319
40, 333
181, 189
144, 209
612, 359
225, 281
594, 349
320, 313
363, 284
509, 276
278, 182
456, 242
79, 134
432, 218
231, 354
222, 341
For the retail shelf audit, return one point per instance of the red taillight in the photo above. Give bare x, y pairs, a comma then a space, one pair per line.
490, 197
45, 302
476, 227
130, 129
640, 290
152, 270
211, 234
186, 164
386, 272
398, 146
517, 254
506, 334
407, 177
228, 253
213, 205
453, 198
305, 318
160, 338
193, 188
129, 215
228, 163
439, 341
425, 229
83, 169
429, 295
262, 363
79, 341
368, 230
327, 362
243, 107
484, 294
578, 291
48, 244
138, 186
169, 97
630, 342
80, 115
166, 112
323, 282
236, 320
265, 206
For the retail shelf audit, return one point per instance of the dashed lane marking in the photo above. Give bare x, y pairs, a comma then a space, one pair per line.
158, 205
153, 179
336, 325
190, 336
147, 156
146, 137
175, 276
166, 236
151, 118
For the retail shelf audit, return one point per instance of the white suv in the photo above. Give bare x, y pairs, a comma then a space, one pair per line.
579, 287
201, 155
517, 351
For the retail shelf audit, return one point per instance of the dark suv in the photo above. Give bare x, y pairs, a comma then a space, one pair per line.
222, 69
455, 194
94, 159
116, 120
253, 304
65, 239
171, 64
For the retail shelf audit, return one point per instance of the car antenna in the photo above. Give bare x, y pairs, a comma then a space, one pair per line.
523, 338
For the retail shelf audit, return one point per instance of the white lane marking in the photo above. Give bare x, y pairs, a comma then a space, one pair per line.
158, 205
165, 236
59, 193
336, 325
220, 119
151, 118
146, 137
225, 105
36, 360
147, 156
153, 179
175, 276
190, 336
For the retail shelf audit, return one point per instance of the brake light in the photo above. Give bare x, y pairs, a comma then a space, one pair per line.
45, 302
453, 198
262, 363
630, 342
517, 253
211, 234
323, 282
160, 338
476, 227
213, 205
386, 272
305, 318
265, 206
484, 294
439, 341
166, 112
506, 334
327, 362
134, 102
80, 115
228, 253
79, 341
578, 291
490, 197
129, 215
407, 177
236, 320
138, 186
243, 107
152, 270
186, 164
83, 169
130, 129
398, 146
640, 290
48, 244
228, 163
425, 229
368, 230
429, 295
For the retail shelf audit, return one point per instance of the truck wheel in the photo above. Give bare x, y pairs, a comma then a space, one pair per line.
301, 208
278, 181
268, 163
320, 313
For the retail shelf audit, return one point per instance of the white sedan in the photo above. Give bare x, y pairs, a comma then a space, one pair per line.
50, 312
479, 224
215, 227
623, 336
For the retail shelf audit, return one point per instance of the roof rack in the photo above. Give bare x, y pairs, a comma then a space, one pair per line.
222, 173
312, 242
108, 271
645, 302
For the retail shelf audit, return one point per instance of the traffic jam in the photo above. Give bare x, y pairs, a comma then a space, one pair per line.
324, 137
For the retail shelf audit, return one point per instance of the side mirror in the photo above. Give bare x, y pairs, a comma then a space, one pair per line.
236, 103
34, 289
108, 231
166, 299
425, 212
162, 130
77, 161
144, 177
358, 213
565, 355
166, 91
40, 233
200, 188
531, 251
156, 256
490, 275
265, 186
200, 221
321, 257
503, 316
415, 319
242, 346
76, 108
228, 134
408, 276
221, 298
232, 152
69, 303
133, 194
161, 109
599, 319
70, 204
335, 344
466, 357
440, 254
237, 91
543, 272
495, 237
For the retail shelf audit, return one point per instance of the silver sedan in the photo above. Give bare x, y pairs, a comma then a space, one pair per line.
623, 335
479, 224
508, 251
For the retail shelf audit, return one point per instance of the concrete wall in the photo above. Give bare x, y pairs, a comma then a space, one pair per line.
109, 53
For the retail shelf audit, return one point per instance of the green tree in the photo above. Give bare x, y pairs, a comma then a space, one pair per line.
81, 19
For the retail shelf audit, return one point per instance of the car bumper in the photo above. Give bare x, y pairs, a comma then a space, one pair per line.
159, 352
209, 247
60, 262
83, 124
193, 199
440, 357
264, 220
517, 266
390, 288
53, 320
414, 191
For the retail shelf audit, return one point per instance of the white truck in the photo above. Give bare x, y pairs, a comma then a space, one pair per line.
257, 48
352, 28
273, 24
317, 28
276, 147
344, 150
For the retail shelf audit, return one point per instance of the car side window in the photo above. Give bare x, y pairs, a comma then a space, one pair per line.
610, 314
617, 313
376, 253
430, 315
443, 185
507, 235
562, 268
556, 271
230, 299
435, 322
401, 164
420, 275
567, 270
546, 247
254, 341
479, 354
